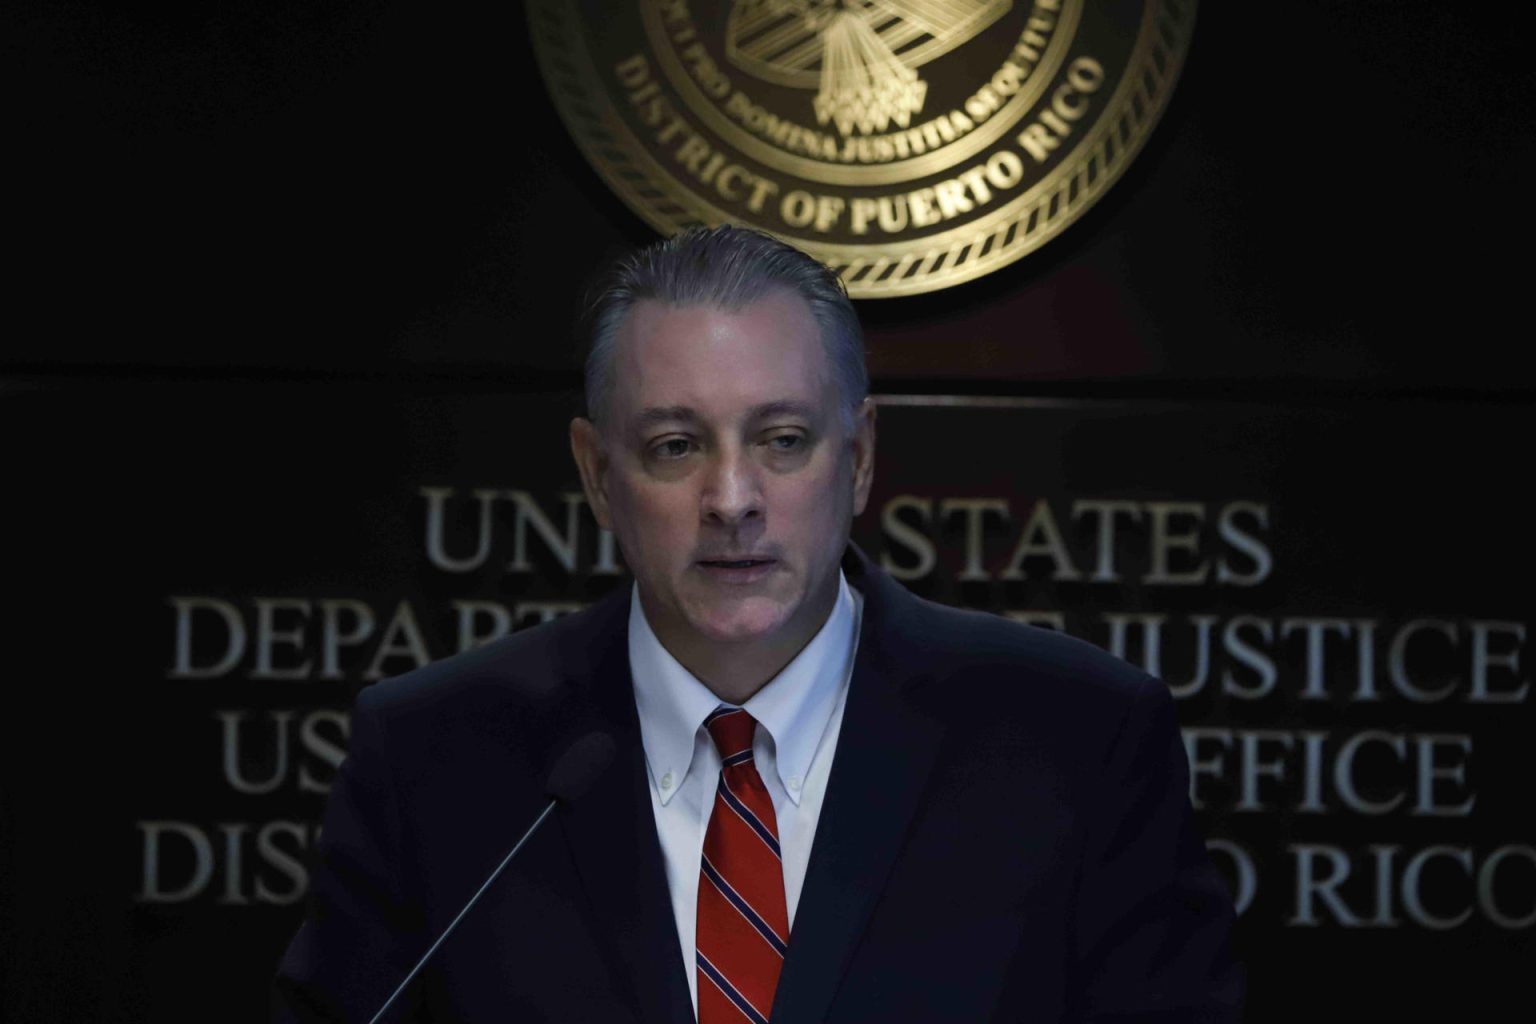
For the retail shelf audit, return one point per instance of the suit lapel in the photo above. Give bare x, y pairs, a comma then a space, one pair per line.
612, 835
885, 750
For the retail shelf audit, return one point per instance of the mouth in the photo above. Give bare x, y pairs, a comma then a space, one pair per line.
736, 570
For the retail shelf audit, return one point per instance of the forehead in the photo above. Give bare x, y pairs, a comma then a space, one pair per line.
720, 362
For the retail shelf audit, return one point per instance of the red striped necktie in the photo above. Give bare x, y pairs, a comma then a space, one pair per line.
743, 927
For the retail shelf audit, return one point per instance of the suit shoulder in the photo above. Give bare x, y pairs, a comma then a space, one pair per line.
531, 666
1022, 659
1027, 695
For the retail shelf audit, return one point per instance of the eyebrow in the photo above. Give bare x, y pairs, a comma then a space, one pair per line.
656, 415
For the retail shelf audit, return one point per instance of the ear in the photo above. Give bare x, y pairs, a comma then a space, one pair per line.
592, 464
863, 443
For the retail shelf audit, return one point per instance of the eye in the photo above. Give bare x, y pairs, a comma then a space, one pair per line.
671, 448
786, 442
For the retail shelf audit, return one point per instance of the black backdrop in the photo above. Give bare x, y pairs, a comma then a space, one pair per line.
288, 276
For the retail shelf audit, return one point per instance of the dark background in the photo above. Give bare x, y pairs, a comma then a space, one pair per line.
276, 265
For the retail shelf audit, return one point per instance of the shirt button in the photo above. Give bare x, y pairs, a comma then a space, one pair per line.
793, 782
666, 781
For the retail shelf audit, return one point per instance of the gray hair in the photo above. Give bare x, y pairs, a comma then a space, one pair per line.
727, 267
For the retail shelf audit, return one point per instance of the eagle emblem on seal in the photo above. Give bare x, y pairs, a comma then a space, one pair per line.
861, 56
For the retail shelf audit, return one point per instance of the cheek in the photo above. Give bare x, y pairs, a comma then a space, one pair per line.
659, 519
819, 507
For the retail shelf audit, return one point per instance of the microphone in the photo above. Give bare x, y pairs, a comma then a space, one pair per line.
579, 765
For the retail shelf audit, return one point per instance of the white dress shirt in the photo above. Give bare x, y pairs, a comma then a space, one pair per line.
799, 712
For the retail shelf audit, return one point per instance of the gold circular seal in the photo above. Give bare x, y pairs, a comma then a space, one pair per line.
909, 144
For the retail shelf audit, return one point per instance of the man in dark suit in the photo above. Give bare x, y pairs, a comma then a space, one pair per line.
831, 800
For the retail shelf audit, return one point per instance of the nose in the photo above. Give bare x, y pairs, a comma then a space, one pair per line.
733, 492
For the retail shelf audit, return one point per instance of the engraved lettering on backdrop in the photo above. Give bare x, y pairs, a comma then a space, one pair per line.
1294, 736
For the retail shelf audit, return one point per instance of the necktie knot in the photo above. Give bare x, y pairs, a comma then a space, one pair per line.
732, 730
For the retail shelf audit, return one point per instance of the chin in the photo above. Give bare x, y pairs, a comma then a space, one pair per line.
741, 622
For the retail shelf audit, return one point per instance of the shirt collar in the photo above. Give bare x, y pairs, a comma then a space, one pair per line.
794, 707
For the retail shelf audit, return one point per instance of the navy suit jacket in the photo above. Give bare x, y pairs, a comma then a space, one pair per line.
1006, 836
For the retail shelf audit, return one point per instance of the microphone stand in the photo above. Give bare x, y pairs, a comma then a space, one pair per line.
460, 916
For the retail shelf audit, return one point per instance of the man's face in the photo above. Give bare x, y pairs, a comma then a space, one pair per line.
726, 471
